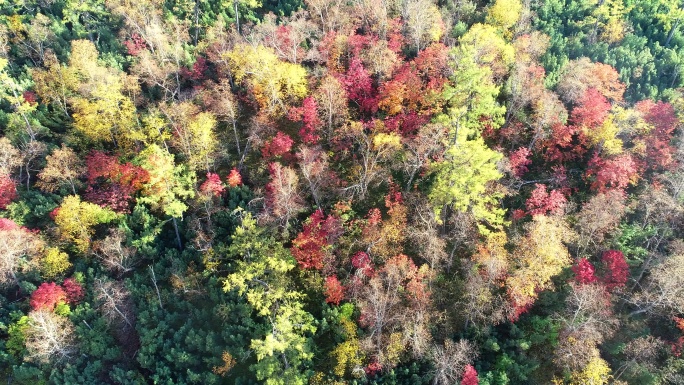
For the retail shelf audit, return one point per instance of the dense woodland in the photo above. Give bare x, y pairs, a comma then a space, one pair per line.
341, 192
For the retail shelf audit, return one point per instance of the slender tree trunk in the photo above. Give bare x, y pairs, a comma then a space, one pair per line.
175, 228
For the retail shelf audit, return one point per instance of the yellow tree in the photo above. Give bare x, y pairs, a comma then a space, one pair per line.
272, 83
538, 256
102, 112
56, 83
77, 220
63, 167
193, 134
168, 185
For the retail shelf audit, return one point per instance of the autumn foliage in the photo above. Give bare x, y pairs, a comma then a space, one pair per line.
47, 295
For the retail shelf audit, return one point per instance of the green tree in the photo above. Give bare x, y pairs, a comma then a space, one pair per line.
261, 267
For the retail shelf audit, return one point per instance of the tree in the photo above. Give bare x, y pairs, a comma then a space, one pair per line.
10, 158
538, 256
261, 267
334, 290
616, 269
193, 134
466, 181
584, 272
452, 360
18, 247
63, 167
49, 337
312, 246
598, 219
395, 307
577, 76
57, 83
273, 84
422, 23
542, 202
54, 263
168, 184
77, 220
283, 199
112, 184
47, 296
8, 191
663, 292
470, 376
504, 14
102, 112
616, 173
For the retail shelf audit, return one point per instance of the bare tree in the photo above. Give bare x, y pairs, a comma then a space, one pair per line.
663, 291
15, 246
116, 304
114, 253
450, 361
49, 337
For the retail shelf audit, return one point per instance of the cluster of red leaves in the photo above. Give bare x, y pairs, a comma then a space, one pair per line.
212, 185
542, 202
30, 97
135, 44
234, 178
519, 160
470, 376
615, 270
519, 309
8, 224
358, 84
47, 295
8, 191
198, 70
662, 117
406, 123
111, 183
566, 143
373, 368
280, 145
334, 290
584, 272
613, 173
310, 247
678, 345
591, 110
308, 115
74, 291
362, 263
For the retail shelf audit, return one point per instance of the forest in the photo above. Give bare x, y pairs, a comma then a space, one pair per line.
329, 192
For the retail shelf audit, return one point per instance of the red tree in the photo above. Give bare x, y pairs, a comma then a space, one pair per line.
312, 245
8, 224
358, 84
334, 290
280, 145
234, 178
616, 269
470, 376
519, 160
542, 202
308, 115
47, 295
8, 191
74, 291
213, 185
584, 272
591, 110
111, 183
662, 117
614, 173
